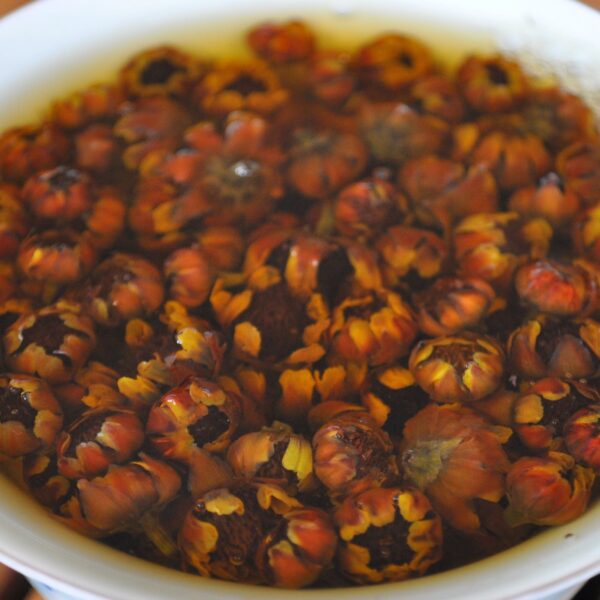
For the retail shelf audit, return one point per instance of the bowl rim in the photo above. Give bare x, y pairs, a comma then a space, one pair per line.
100, 572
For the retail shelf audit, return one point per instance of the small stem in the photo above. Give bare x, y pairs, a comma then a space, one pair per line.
157, 534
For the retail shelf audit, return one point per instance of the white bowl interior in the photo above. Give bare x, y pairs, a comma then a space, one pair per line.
56, 46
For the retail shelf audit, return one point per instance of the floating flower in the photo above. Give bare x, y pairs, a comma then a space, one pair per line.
30, 416
460, 368
582, 438
351, 453
196, 414
545, 346
387, 534
455, 456
542, 410
274, 455
376, 329
550, 490
392, 62
53, 343
96, 440
453, 304
492, 84
160, 71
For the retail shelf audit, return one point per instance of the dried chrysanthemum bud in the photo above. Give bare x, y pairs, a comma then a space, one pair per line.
586, 233
222, 535
150, 124
453, 304
411, 254
582, 436
321, 163
30, 416
62, 193
514, 159
492, 245
557, 117
160, 71
96, 440
392, 397
197, 414
388, 534
266, 322
53, 343
438, 96
299, 549
541, 411
122, 287
492, 84
454, 456
442, 190
234, 86
392, 62
351, 453
395, 133
282, 43
558, 288
218, 177
14, 223
460, 368
127, 493
550, 490
579, 166
158, 357
376, 329
98, 102
274, 455
25, 150
190, 276
311, 263
544, 346
56, 256
548, 200
367, 206
241, 187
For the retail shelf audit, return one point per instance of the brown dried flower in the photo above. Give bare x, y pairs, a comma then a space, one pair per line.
387, 534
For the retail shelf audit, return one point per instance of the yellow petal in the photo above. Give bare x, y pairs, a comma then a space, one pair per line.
247, 339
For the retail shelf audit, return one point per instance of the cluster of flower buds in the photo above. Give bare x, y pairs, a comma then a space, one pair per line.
312, 318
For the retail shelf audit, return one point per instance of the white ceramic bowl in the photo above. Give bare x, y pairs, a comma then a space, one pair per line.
54, 46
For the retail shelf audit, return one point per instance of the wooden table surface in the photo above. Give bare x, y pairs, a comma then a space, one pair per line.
14, 587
